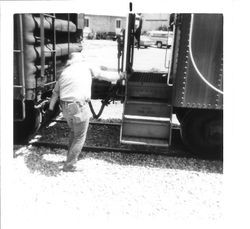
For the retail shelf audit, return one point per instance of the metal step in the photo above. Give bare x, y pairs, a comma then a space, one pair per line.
148, 90
146, 130
149, 86
147, 108
144, 141
147, 118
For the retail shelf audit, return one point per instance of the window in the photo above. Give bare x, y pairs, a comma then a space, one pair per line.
86, 22
118, 24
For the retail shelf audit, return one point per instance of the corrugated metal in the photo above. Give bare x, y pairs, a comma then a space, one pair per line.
207, 51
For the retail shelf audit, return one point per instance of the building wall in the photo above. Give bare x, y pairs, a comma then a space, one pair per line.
154, 21
107, 23
104, 23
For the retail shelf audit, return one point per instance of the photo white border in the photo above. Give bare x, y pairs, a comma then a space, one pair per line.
236, 124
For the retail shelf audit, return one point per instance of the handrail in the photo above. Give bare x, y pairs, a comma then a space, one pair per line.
68, 34
125, 39
170, 62
21, 68
43, 51
54, 47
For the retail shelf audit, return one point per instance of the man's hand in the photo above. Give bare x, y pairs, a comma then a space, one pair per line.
47, 117
122, 75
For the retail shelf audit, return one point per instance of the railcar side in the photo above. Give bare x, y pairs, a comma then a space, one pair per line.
42, 43
191, 88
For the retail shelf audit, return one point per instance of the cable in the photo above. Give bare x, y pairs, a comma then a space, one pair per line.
193, 62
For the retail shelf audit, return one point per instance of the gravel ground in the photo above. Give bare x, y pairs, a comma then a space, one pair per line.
114, 185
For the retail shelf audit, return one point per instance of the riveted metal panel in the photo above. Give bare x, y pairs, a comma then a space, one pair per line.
206, 55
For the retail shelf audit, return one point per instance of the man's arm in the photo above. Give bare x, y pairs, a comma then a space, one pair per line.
104, 73
54, 97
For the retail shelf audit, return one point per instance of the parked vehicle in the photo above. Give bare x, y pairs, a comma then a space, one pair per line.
111, 36
100, 35
106, 36
145, 41
161, 38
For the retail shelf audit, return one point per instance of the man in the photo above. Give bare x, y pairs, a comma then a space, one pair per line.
74, 90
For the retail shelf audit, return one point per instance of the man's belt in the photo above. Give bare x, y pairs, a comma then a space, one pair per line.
79, 102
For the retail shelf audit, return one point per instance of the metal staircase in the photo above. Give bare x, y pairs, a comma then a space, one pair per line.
147, 110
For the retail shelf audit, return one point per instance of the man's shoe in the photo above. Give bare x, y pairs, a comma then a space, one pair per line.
69, 168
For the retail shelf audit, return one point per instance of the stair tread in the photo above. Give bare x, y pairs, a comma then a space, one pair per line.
147, 101
144, 141
149, 118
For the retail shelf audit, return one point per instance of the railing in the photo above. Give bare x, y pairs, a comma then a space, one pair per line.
20, 51
53, 51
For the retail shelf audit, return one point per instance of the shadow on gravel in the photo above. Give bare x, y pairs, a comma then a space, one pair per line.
164, 159
36, 163
159, 161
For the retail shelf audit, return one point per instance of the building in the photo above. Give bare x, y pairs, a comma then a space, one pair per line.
104, 23
154, 21
108, 23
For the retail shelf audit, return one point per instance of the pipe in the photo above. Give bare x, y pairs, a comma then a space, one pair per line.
21, 68
42, 44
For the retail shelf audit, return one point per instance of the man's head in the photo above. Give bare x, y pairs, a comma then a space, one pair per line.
75, 57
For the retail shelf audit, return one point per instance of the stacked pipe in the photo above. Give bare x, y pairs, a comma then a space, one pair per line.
65, 43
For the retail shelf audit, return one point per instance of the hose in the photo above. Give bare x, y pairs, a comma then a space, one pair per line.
96, 116
193, 61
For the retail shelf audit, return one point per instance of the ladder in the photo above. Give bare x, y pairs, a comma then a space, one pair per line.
52, 51
147, 111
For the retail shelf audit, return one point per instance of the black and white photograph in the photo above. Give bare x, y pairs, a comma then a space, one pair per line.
116, 115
